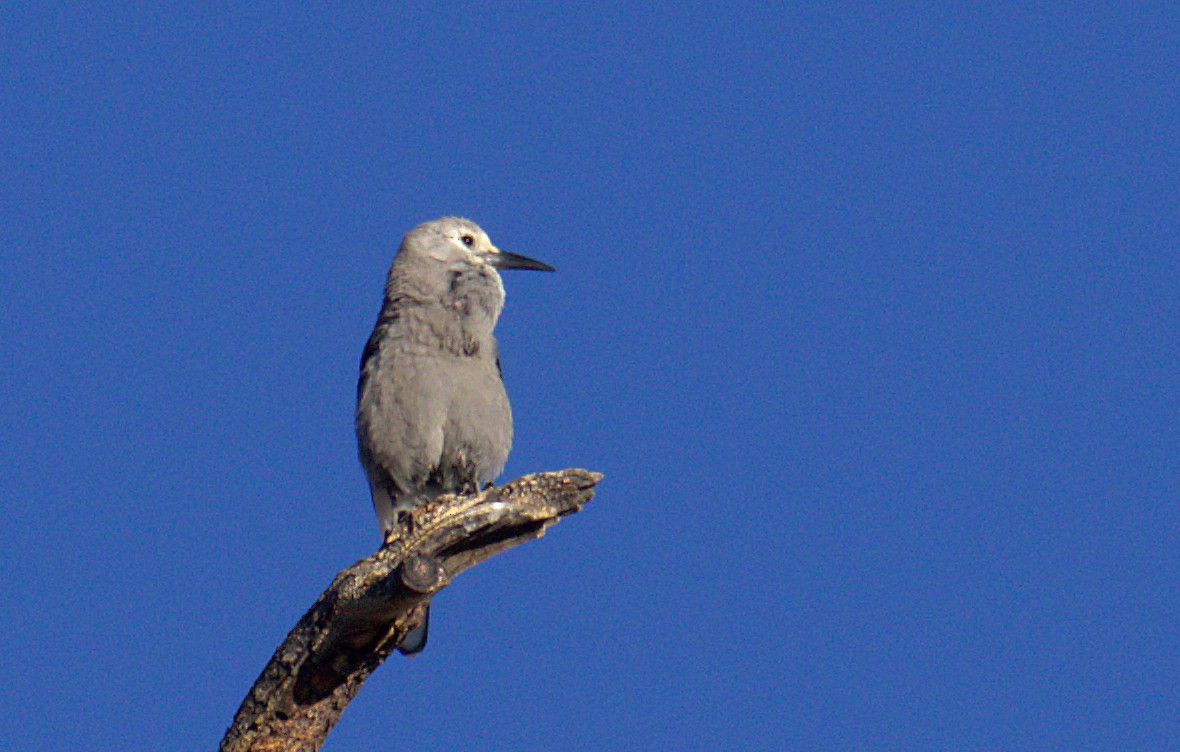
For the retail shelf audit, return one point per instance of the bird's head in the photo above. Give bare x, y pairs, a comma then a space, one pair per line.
455, 242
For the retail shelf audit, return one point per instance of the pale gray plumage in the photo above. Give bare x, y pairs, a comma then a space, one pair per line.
432, 415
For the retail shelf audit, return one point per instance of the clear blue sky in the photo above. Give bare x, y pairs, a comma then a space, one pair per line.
868, 312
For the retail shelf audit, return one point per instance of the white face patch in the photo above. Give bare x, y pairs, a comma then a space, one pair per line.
475, 244
440, 255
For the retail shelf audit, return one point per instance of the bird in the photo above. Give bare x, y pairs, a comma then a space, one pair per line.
432, 414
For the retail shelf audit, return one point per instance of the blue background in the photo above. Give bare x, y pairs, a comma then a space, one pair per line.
867, 311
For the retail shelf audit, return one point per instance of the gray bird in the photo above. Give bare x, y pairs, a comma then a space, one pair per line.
432, 416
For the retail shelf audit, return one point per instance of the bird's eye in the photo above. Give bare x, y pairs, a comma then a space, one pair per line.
467, 240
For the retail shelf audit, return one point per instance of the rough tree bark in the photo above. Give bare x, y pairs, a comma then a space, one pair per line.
370, 606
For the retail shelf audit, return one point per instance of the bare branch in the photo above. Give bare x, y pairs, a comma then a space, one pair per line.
370, 606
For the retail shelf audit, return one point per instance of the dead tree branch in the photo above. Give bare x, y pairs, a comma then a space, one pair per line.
370, 606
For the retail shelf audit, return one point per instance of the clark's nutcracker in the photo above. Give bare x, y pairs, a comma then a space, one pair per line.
432, 416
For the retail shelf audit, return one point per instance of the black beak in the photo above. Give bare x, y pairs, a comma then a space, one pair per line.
506, 260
